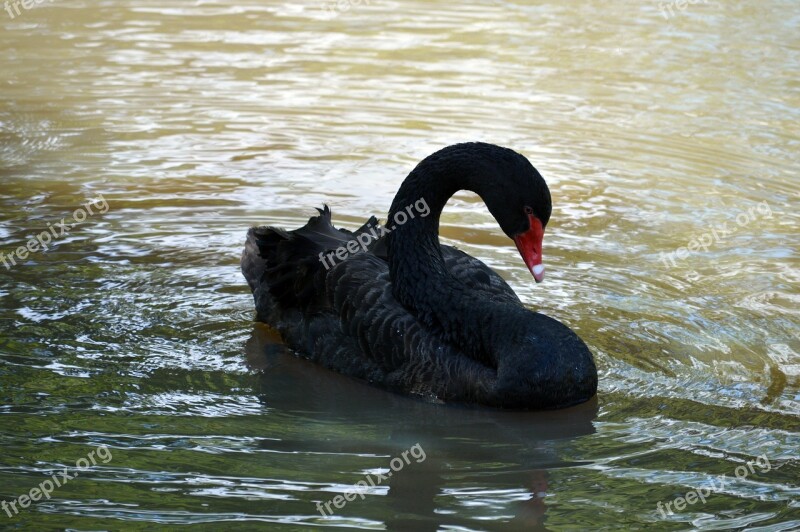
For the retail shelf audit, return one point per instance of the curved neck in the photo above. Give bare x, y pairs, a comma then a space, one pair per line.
420, 279
415, 257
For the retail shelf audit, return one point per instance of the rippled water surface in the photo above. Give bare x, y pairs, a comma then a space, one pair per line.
194, 120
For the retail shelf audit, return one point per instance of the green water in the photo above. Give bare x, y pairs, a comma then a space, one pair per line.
132, 337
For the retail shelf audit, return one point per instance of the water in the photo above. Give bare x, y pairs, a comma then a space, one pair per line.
193, 121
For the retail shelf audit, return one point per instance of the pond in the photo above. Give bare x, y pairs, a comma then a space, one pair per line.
145, 137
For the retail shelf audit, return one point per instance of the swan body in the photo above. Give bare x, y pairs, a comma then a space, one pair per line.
403, 312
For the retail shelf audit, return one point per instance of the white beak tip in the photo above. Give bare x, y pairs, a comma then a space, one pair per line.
538, 272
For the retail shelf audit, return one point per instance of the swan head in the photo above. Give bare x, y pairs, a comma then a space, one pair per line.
518, 198
512, 189
526, 217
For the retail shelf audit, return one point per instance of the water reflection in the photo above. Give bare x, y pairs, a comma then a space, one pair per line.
508, 453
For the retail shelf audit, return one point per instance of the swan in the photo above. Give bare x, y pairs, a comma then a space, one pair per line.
391, 306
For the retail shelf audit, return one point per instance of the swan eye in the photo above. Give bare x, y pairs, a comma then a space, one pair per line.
528, 210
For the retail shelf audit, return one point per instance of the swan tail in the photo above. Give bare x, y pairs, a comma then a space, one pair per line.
288, 268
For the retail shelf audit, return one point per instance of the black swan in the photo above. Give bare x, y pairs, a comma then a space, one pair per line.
393, 307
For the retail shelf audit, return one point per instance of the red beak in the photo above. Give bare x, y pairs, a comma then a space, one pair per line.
529, 245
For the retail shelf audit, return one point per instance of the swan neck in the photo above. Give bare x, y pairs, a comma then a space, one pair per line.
416, 265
